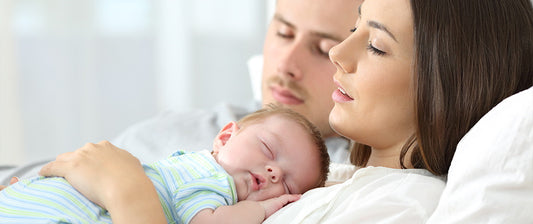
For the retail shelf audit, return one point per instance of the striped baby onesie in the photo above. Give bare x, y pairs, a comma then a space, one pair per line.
186, 183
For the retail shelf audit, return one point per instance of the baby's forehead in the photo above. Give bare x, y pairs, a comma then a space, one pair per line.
273, 121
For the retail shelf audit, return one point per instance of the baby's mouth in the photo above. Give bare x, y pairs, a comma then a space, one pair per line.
257, 181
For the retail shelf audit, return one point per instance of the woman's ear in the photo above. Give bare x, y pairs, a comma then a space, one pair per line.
224, 135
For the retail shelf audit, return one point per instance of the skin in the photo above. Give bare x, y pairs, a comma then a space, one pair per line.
374, 72
261, 159
296, 69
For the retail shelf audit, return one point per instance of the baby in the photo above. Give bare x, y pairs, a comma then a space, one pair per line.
258, 165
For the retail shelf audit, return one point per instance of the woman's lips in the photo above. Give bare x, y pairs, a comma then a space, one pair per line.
339, 95
285, 96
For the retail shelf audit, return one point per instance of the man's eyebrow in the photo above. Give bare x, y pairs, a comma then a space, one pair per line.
380, 26
325, 35
281, 19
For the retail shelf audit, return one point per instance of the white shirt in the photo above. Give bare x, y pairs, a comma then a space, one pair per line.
372, 195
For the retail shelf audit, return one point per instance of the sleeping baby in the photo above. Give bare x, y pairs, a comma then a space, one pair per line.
257, 165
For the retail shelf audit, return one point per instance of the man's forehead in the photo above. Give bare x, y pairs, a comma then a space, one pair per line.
320, 18
321, 33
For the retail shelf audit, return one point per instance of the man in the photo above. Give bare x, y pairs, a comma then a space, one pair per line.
297, 74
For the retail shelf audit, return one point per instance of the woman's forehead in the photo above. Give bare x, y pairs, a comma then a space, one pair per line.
393, 15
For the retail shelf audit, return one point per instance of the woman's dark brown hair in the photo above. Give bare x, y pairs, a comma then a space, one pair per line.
469, 56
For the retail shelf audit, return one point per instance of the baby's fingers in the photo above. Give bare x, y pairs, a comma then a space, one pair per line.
274, 204
12, 181
288, 198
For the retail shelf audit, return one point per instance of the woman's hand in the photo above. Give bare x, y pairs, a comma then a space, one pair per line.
112, 178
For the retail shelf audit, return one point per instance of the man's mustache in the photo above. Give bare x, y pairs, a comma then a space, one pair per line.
293, 86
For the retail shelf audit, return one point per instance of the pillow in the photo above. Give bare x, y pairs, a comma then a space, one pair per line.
255, 68
491, 174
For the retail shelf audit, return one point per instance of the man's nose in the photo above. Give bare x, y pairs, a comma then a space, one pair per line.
289, 64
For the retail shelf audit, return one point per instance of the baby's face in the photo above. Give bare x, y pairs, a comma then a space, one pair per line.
271, 158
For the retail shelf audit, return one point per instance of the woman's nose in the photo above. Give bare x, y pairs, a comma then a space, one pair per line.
343, 56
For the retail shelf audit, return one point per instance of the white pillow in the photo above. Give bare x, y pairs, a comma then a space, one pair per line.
491, 175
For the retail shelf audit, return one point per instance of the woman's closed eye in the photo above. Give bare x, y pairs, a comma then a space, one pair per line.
375, 50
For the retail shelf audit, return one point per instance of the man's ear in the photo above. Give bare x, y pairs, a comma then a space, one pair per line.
224, 135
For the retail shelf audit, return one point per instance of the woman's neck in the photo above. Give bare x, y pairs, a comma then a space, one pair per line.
389, 158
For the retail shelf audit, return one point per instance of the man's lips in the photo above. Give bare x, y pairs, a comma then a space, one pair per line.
285, 96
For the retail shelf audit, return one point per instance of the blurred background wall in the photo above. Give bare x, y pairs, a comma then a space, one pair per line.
82, 71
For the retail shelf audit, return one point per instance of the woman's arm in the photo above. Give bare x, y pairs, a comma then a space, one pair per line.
112, 178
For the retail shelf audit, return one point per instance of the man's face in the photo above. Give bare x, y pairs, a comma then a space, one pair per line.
297, 72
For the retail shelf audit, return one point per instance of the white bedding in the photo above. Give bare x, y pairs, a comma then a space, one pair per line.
491, 175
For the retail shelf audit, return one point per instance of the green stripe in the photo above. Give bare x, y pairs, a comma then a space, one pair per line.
68, 196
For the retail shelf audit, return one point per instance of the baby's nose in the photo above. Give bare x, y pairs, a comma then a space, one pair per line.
274, 173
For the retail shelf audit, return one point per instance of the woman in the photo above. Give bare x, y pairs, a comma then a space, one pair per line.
413, 78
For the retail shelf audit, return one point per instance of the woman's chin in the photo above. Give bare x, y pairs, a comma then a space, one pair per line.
336, 121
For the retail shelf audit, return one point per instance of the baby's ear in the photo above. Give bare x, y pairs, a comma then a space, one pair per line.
224, 135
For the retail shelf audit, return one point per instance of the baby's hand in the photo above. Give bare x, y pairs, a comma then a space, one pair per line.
274, 204
12, 181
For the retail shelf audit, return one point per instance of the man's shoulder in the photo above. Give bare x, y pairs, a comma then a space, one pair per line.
216, 117
163, 134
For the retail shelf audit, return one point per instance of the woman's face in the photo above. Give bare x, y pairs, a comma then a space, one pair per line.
374, 102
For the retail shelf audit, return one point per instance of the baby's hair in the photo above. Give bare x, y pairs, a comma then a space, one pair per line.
273, 110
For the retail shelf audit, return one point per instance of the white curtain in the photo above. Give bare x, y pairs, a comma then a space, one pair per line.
82, 71
11, 143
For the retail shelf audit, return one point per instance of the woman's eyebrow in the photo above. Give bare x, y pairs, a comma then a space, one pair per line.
380, 26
